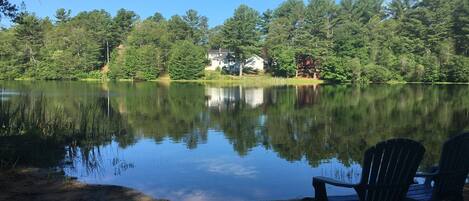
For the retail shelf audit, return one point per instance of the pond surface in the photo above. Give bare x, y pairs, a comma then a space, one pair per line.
206, 142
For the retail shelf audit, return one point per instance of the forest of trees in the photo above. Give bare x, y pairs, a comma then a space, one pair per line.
354, 40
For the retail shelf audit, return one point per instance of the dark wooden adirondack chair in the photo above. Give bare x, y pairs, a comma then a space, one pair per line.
388, 171
449, 177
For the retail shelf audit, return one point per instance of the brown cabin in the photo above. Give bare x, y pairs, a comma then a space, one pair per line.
308, 67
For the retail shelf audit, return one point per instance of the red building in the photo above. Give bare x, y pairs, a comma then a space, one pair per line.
308, 67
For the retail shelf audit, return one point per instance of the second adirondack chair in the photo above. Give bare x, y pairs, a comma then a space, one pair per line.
388, 171
446, 182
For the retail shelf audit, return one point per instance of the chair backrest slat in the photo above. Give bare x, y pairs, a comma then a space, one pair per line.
388, 169
401, 173
453, 168
394, 172
385, 174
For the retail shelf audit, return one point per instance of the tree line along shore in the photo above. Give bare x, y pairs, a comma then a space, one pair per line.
351, 41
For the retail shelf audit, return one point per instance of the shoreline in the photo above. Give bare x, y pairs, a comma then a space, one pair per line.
250, 80
228, 80
25, 184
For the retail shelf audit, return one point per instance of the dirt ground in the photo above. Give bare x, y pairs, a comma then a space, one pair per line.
31, 184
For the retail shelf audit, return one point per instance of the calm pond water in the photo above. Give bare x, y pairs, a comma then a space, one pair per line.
207, 142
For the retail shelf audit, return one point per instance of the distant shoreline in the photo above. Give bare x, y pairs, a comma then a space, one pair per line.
249, 80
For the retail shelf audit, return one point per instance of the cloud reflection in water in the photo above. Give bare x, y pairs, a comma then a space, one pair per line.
224, 167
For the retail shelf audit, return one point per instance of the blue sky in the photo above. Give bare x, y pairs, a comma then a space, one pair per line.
216, 10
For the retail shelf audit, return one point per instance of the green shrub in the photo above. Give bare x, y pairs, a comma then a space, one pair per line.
96, 74
334, 70
459, 69
213, 75
115, 67
140, 63
431, 68
356, 69
284, 62
375, 73
186, 61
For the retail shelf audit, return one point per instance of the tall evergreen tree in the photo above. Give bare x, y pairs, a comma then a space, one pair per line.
29, 32
8, 55
319, 23
157, 17
215, 37
397, 8
101, 25
198, 27
123, 23
179, 29
241, 34
461, 27
8, 9
62, 15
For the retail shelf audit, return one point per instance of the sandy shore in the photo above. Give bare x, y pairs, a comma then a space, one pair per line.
28, 184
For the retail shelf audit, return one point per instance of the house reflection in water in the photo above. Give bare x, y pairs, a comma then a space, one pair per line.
225, 97
6, 94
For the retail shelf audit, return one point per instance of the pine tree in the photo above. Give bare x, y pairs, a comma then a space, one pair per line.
62, 15
8, 9
461, 27
241, 34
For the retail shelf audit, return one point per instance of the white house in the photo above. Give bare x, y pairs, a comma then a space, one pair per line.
218, 59
223, 59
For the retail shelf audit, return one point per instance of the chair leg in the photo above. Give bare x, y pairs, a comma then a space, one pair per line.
320, 193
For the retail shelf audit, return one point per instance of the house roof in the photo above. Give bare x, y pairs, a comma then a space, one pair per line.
218, 51
227, 52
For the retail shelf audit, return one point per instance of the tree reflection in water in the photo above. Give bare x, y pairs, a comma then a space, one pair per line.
52, 124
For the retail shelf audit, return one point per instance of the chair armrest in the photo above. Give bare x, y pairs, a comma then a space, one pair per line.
319, 184
426, 174
333, 182
434, 171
